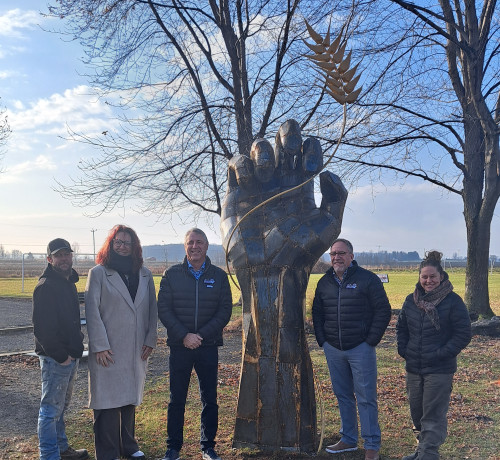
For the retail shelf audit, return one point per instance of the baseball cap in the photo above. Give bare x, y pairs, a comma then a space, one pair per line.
56, 245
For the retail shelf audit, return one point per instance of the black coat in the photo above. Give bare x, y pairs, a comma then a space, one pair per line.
187, 305
56, 316
352, 313
426, 349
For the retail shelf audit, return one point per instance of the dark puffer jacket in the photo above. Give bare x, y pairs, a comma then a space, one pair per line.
355, 312
56, 316
426, 349
198, 306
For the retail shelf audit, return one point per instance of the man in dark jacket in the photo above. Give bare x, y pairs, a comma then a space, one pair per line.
350, 314
194, 304
59, 344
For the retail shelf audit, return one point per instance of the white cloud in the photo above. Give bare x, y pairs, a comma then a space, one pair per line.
18, 105
5, 73
14, 21
18, 172
76, 107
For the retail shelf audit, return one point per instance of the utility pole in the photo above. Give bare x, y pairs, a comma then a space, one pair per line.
93, 239
165, 253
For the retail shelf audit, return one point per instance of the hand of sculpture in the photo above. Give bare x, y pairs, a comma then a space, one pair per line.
290, 230
272, 252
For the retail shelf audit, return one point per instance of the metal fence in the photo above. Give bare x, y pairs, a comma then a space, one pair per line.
31, 265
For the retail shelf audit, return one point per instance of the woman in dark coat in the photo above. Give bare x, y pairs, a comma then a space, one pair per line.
432, 328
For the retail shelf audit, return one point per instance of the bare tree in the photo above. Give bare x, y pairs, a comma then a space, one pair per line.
431, 109
4, 132
206, 77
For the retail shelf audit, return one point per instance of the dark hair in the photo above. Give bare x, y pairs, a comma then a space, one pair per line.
104, 255
346, 242
432, 259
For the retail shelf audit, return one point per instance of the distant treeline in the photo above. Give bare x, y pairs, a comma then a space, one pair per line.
385, 257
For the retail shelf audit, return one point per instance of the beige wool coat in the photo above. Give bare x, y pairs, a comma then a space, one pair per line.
115, 322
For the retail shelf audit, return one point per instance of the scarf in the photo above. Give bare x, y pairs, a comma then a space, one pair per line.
124, 266
428, 301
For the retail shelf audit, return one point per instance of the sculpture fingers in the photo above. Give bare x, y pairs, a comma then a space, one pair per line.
334, 195
263, 159
240, 172
288, 146
312, 156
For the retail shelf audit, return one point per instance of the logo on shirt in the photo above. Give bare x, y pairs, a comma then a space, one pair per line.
351, 286
209, 283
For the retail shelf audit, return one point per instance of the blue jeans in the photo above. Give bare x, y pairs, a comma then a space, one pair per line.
57, 387
182, 360
354, 380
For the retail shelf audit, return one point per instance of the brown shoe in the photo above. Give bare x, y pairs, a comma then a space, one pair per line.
72, 454
341, 446
371, 454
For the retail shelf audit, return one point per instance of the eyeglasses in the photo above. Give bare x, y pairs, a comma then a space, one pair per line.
338, 253
122, 243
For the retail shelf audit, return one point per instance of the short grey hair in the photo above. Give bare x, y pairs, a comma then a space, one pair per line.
195, 230
346, 242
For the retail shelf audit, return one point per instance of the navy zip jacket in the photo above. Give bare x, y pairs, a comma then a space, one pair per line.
56, 316
426, 349
187, 305
354, 312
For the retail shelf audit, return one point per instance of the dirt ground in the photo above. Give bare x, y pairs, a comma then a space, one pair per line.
20, 385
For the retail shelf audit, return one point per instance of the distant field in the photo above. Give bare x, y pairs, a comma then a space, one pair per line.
400, 284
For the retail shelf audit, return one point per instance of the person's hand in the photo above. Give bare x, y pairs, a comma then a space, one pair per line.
68, 361
104, 358
146, 351
192, 341
290, 230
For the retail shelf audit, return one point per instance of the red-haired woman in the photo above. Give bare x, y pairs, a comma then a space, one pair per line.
120, 306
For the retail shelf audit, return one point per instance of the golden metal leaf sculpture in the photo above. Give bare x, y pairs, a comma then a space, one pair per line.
336, 69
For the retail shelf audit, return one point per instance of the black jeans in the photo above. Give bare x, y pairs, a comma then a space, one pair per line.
182, 360
114, 432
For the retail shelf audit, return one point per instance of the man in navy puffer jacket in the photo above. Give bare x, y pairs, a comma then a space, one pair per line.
194, 304
350, 313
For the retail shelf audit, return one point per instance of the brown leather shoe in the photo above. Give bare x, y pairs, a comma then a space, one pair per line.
372, 454
340, 447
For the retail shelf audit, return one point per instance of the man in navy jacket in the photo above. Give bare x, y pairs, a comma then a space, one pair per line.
350, 313
194, 304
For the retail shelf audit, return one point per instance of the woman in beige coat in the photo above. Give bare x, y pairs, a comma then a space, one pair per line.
120, 306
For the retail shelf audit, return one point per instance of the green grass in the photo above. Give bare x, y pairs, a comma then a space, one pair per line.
474, 415
401, 283
13, 287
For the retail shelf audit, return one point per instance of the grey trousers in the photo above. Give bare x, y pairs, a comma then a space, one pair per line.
429, 397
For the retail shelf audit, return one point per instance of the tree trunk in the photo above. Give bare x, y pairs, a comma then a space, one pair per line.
476, 272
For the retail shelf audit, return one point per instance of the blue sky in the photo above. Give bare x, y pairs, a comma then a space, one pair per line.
43, 90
